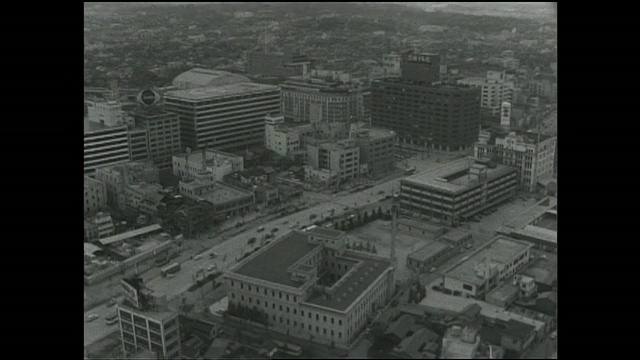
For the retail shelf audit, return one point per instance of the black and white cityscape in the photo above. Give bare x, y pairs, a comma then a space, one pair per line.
320, 180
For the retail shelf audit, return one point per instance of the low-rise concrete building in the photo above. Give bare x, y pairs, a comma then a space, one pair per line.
428, 256
487, 267
118, 177
216, 162
95, 196
458, 190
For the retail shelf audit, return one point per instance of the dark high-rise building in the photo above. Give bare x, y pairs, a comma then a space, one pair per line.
163, 133
423, 111
278, 64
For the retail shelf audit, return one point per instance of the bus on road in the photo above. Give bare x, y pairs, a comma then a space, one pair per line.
171, 269
288, 348
112, 319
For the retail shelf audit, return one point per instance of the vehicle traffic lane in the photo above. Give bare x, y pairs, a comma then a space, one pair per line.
98, 329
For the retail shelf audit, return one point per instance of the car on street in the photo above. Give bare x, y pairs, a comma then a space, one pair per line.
251, 241
274, 230
312, 216
433, 269
92, 317
212, 267
112, 302
554, 335
468, 246
260, 229
213, 255
197, 257
380, 192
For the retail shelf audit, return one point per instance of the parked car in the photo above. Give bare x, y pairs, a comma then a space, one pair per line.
92, 317
212, 267
433, 269
197, 257
260, 229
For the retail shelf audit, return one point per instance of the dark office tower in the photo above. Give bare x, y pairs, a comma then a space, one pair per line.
223, 117
163, 131
420, 68
445, 117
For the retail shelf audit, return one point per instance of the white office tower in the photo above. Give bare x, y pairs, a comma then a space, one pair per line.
505, 114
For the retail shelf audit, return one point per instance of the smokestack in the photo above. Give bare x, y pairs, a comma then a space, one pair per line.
394, 223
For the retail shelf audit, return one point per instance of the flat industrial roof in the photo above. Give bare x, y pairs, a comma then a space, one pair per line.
504, 292
213, 92
272, 262
130, 234
421, 225
537, 233
224, 193
458, 174
428, 251
90, 126
455, 235
502, 250
359, 279
196, 156
325, 232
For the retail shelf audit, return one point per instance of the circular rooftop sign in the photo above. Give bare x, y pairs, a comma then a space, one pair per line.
148, 97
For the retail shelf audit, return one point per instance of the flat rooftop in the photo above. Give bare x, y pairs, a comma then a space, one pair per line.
90, 126
537, 233
359, 279
504, 292
455, 235
196, 156
455, 176
428, 251
272, 262
500, 251
130, 234
320, 231
533, 213
223, 193
213, 92
420, 225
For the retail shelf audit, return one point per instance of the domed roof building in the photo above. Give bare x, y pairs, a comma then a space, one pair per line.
196, 78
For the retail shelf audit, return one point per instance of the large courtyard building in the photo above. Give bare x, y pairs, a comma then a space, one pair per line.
322, 100
458, 190
218, 163
223, 117
424, 112
307, 285
163, 134
532, 154
487, 267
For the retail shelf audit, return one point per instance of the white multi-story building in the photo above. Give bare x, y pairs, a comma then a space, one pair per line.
341, 160
497, 88
215, 162
532, 154
118, 177
104, 145
95, 195
223, 117
147, 324
103, 223
279, 138
307, 285
391, 64
107, 113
